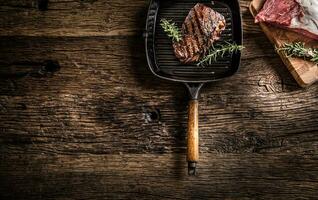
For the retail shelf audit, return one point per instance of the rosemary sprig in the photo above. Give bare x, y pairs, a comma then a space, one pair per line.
171, 29
219, 51
298, 49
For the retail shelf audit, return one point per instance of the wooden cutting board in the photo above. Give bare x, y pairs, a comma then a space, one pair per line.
305, 72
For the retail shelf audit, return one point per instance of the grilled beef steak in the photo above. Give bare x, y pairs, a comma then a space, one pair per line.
298, 15
200, 29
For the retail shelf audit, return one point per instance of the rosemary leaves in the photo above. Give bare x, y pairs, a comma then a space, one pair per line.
298, 49
219, 51
171, 29
214, 53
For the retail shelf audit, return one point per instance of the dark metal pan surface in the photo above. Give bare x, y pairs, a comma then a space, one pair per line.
161, 58
163, 63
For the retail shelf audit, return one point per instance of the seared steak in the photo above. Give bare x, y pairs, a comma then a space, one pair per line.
297, 15
200, 29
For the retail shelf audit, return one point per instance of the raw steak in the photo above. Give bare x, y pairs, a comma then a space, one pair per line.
200, 29
298, 15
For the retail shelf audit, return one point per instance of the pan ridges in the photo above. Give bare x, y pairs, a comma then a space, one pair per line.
200, 29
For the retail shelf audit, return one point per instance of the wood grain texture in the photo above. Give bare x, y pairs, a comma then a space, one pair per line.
193, 132
81, 18
305, 72
102, 127
221, 176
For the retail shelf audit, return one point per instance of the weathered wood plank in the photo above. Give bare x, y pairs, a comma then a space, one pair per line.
144, 176
100, 126
83, 18
104, 100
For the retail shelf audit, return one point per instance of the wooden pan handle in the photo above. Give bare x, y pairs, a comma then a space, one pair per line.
193, 136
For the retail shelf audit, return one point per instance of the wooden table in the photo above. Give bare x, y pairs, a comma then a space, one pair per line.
93, 123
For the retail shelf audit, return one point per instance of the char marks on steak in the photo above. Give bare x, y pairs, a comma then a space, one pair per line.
200, 29
298, 15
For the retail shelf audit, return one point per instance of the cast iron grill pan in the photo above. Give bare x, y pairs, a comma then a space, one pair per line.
163, 63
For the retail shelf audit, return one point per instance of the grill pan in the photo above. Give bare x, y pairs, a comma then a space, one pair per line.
163, 63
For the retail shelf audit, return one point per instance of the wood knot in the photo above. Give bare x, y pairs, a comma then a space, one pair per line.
49, 67
151, 115
28, 68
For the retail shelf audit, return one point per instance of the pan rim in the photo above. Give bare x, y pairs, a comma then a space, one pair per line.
152, 61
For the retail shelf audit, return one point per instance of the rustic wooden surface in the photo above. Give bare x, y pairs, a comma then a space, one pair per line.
100, 126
